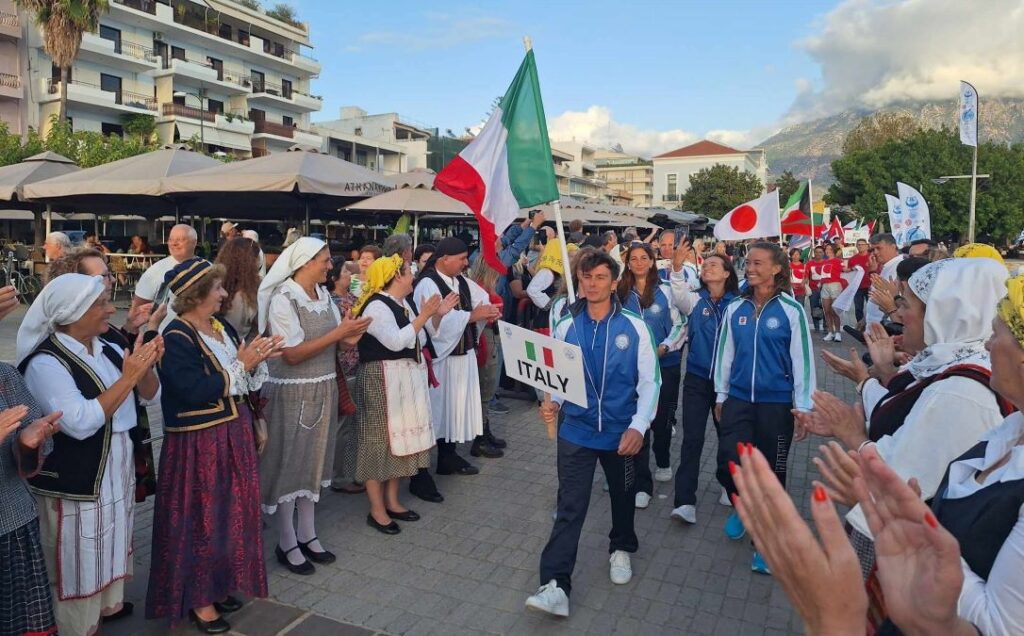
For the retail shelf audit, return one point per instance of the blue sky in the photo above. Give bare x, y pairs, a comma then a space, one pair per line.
658, 74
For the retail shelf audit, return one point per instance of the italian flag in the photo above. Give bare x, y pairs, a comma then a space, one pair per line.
508, 166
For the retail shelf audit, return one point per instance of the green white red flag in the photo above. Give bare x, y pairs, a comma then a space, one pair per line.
508, 166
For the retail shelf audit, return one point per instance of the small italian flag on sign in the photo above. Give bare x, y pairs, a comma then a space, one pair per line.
548, 354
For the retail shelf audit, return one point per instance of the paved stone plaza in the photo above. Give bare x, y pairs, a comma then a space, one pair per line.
469, 564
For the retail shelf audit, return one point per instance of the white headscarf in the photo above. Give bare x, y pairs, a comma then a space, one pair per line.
960, 297
295, 256
63, 301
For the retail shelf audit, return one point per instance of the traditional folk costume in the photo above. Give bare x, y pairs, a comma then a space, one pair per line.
391, 395
454, 404
25, 605
207, 534
86, 488
302, 399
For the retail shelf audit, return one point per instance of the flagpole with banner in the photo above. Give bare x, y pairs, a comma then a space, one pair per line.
969, 112
810, 197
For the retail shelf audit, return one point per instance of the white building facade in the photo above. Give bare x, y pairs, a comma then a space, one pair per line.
579, 172
672, 170
383, 142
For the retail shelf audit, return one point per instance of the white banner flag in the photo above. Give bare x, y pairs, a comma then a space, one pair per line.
968, 114
916, 219
895, 217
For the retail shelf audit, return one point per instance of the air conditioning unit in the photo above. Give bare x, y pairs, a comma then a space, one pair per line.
158, 36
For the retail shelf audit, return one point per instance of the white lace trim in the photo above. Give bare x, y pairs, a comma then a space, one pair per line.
322, 378
241, 381
308, 494
294, 291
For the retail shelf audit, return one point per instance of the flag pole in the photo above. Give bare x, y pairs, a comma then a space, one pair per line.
810, 199
974, 192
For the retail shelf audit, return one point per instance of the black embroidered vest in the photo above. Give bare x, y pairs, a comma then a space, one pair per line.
371, 350
469, 335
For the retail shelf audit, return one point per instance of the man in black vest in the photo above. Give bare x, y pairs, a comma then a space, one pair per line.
455, 404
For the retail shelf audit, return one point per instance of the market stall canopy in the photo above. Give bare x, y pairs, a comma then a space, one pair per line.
672, 218
15, 177
276, 184
24, 215
593, 214
415, 200
131, 185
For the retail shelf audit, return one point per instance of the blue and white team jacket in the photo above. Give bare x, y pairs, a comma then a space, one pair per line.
665, 322
766, 358
704, 321
621, 371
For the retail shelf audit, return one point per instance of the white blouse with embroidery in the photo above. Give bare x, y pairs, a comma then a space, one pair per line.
241, 381
282, 317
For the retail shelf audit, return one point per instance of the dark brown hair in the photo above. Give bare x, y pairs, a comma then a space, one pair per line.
782, 282
732, 284
628, 281
199, 290
372, 249
240, 260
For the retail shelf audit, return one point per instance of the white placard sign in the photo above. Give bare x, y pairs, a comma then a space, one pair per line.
850, 237
543, 362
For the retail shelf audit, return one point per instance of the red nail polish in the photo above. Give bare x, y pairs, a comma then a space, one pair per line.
732, 467
740, 448
819, 494
750, 448
734, 498
930, 519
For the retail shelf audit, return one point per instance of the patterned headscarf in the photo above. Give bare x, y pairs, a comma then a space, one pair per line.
1011, 308
378, 275
978, 250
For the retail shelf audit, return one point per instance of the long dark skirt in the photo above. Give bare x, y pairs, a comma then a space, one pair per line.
25, 605
207, 536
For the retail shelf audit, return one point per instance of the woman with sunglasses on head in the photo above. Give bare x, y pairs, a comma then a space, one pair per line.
641, 291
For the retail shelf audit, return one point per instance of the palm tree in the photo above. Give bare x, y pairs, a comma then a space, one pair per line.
63, 23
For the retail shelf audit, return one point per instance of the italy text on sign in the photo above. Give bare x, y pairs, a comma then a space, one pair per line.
543, 362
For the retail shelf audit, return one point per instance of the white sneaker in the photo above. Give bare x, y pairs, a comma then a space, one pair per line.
552, 599
663, 474
620, 570
828, 338
685, 513
836, 337
642, 500
724, 498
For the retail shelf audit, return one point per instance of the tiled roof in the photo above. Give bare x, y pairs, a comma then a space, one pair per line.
700, 149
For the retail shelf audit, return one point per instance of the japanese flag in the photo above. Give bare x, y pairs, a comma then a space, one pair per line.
754, 219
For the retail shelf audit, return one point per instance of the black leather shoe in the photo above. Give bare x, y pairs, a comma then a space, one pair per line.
391, 528
466, 469
316, 557
216, 626
482, 448
432, 497
228, 605
305, 568
126, 610
489, 437
408, 515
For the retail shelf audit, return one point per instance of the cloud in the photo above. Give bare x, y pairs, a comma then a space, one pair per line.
438, 31
874, 54
597, 126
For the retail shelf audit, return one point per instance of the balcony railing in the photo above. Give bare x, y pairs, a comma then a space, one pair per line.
149, 6
182, 110
671, 197
10, 81
263, 86
274, 128
121, 97
131, 49
9, 19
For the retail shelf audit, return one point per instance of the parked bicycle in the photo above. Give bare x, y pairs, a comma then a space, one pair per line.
27, 286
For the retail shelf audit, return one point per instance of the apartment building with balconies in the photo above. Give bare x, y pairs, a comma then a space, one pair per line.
383, 142
629, 177
581, 171
13, 106
227, 76
673, 169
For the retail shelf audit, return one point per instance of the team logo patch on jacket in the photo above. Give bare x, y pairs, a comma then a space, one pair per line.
622, 342
743, 320
655, 309
706, 312
772, 323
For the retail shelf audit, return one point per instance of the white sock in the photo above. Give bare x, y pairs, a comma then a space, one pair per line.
307, 525
286, 528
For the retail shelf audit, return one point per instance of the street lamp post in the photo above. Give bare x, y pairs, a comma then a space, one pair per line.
202, 112
974, 176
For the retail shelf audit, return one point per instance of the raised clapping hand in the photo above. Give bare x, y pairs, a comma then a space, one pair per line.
822, 579
351, 329
10, 420
450, 302
8, 300
142, 359
156, 317
832, 417
430, 306
882, 348
918, 560
883, 293
138, 315
251, 354
854, 368
839, 469
484, 312
33, 435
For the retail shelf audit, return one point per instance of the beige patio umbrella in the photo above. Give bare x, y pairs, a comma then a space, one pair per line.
417, 201
15, 177
280, 183
418, 177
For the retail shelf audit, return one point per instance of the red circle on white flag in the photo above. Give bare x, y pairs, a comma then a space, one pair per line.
743, 218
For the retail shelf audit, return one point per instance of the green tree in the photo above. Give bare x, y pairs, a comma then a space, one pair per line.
864, 176
63, 23
142, 126
716, 190
786, 184
285, 13
88, 149
875, 130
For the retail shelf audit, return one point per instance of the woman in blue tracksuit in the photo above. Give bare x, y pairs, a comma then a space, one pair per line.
764, 367
704, 310
642, 292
